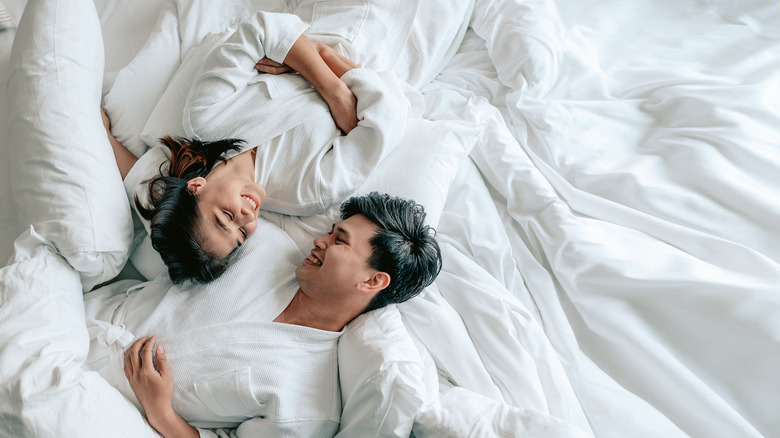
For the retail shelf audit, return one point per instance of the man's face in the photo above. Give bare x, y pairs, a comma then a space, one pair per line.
339, 260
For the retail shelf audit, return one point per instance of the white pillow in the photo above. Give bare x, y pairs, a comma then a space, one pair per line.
140, 84
424, 164
166, 118
65, 180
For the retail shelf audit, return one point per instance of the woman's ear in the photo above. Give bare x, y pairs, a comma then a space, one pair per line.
195, 184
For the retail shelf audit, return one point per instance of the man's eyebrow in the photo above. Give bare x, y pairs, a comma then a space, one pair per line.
343, 231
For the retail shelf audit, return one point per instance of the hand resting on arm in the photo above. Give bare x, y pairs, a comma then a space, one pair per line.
322, 67
154, 389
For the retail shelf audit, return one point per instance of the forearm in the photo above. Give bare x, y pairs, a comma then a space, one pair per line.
171, 425
338, 64
306, 58
124, 158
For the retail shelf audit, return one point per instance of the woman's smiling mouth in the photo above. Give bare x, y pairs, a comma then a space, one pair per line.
252, 201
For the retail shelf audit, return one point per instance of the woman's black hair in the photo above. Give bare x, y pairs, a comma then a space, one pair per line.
404, 247
174, 213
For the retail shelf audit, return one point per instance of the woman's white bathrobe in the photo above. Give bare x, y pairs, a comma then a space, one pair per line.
303, 160
231, 365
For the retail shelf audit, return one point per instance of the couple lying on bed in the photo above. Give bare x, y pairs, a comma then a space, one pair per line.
207, 203
291, 157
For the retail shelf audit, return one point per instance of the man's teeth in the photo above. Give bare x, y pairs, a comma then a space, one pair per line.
314, 260
251, 201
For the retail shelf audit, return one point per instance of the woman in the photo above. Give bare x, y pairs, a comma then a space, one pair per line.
291, 125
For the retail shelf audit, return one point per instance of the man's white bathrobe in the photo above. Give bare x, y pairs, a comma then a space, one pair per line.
231, 365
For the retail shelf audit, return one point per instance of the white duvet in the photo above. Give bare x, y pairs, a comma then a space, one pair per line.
611, 261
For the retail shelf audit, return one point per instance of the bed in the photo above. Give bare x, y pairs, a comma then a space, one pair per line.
608, 215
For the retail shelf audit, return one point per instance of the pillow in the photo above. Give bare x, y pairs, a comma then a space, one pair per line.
382, 376
65, 180
166, 118
424, 164
139, 85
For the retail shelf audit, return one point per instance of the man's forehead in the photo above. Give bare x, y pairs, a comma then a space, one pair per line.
357, 226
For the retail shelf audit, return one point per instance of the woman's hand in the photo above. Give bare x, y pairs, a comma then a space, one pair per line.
270, 66
340, 100
153, 386
124, 158
106, 121
343, 107
342, 103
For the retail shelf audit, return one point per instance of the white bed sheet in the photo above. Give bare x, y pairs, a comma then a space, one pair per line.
611, 255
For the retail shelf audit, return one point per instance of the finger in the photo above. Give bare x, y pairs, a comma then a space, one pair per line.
146, 353
135, 357
269, 62
270, 69
128, 365
162, 361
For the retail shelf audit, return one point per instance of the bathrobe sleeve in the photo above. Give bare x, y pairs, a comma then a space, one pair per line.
314, 166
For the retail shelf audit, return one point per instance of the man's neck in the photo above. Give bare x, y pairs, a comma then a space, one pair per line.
302, 310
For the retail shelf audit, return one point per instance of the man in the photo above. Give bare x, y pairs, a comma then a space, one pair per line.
232, 361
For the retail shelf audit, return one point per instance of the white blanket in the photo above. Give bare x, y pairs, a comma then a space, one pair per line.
610, 247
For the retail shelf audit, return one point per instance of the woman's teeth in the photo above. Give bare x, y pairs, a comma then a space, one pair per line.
251, 201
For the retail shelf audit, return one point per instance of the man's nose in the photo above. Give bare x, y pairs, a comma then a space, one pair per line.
320, 242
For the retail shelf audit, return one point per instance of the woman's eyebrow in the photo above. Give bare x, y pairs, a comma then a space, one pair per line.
222, 225
219, 222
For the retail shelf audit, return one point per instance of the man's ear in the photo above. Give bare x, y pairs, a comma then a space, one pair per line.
196, 183
377, 282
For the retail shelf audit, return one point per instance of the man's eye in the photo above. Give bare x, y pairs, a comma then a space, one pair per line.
339, 240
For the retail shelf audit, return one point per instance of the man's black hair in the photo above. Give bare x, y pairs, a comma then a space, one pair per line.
404, 247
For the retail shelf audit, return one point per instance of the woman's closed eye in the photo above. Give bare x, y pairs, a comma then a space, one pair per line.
241, 230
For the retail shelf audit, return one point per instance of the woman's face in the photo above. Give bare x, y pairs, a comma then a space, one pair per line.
229, 204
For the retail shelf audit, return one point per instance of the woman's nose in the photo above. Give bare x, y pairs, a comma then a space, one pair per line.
250, 227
